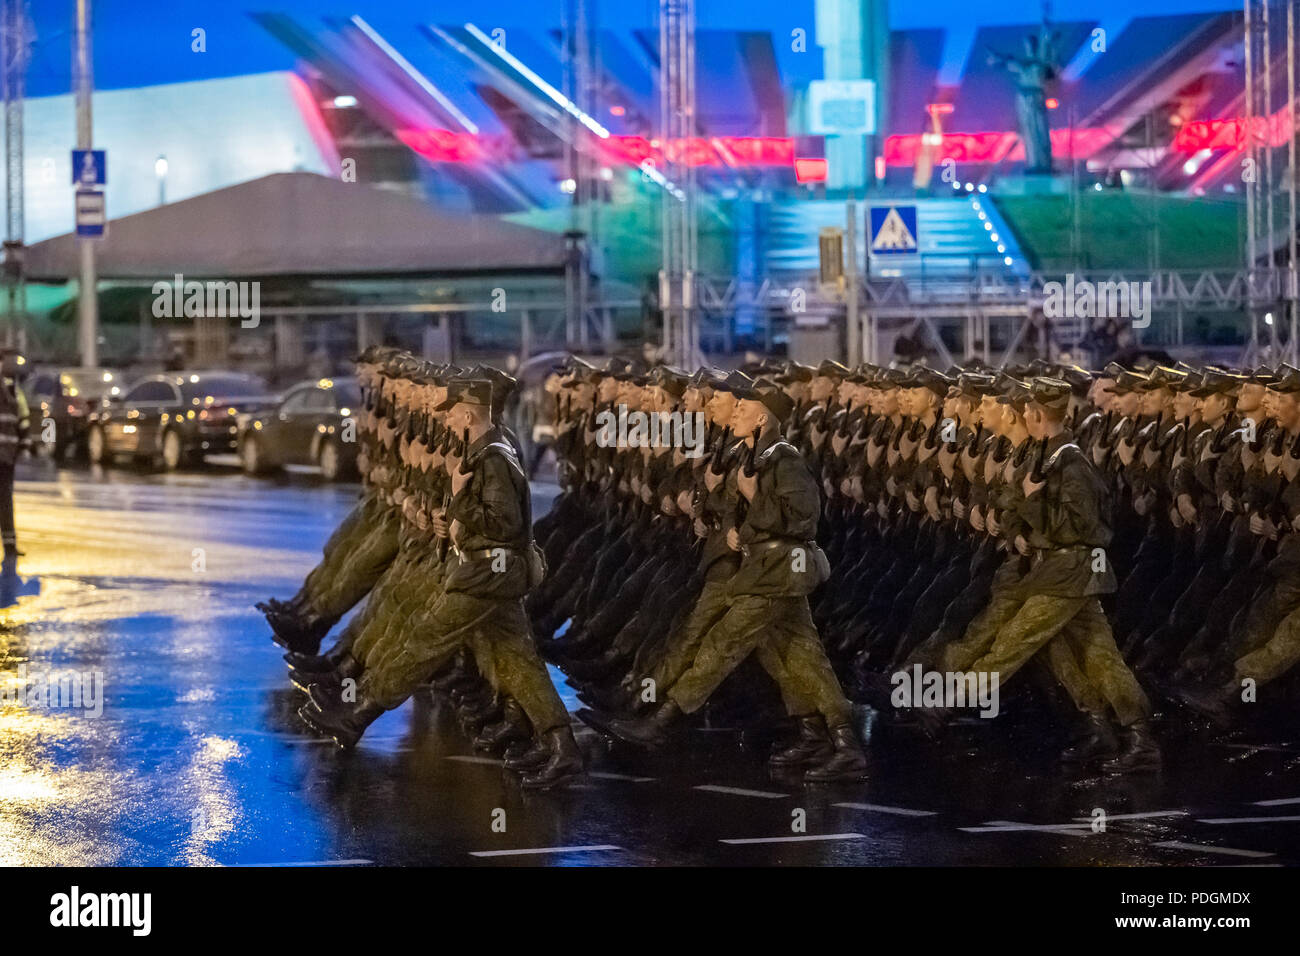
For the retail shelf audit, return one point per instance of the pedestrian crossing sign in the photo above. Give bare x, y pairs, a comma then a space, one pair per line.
893, 230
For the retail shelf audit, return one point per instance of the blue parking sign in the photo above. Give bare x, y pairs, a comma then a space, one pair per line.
89, 167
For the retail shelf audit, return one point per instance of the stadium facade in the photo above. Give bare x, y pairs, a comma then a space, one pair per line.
1146, 124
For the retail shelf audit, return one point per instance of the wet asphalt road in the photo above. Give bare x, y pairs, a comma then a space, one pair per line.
198, 757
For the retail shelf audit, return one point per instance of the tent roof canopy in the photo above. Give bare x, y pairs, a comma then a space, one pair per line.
301, 224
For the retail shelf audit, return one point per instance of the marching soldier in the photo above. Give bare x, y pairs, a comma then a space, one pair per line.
767, 612
488, 523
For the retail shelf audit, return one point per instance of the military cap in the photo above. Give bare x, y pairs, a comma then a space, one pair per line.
832, 369
706, 377
975, 383
633, 371
746, 388
774, 399
1287, 384
735, 382
1215, 382
1113, 370
1162, 376
589, 373
922, 377
1079, 379
503, 384
577, 367
795, 372
1050, 392
671, 380
1015, 393
1127, 382
467, 391
1263, 376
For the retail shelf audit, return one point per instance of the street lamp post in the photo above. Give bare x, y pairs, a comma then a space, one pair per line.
160, 170
88, 311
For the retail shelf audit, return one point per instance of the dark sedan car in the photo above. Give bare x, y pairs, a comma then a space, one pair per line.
67, 397
314, 424
175, 419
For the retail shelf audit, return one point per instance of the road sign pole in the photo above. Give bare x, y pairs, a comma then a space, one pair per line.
88, 314
854, 338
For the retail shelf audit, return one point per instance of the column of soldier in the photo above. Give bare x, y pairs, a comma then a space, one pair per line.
440, 548
972, 522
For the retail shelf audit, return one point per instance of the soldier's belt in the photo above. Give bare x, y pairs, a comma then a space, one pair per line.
1040, 553
480, 554
771, 543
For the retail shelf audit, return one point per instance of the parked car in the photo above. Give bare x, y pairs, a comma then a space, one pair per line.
314, 424
67, 397
175, 419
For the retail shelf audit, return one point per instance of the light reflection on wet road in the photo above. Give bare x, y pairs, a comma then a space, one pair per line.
199, 758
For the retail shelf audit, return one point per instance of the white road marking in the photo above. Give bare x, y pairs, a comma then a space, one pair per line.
467, 759
877, 808
528, 851
1249, 820
308, 863
819, 837
1277, 803
1141, 816
1225, 850
1011, 826
603, 775
740, 792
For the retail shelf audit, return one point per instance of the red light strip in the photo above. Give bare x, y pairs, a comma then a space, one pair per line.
810, 170
1195, 136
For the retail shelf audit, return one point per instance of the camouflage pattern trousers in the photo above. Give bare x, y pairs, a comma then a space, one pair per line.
780, 631
1079, 649
494, 630
1266, 660
355, 556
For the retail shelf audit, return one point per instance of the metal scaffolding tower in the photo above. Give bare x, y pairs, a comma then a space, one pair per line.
581, 72
14, 48
680, 259
1269, 60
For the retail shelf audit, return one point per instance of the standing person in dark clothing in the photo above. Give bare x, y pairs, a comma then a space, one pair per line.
14, 421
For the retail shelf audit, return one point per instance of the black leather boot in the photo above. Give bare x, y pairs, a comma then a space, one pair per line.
611, 700
601, 666
847, 762
563, 765
525, 756
513, 726
1139, 752
330, 681
298, 632
651, 731
308, 663
455, 677
478, 710
1098, 743
344, 722
812, 747
874, 689
1212, 702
